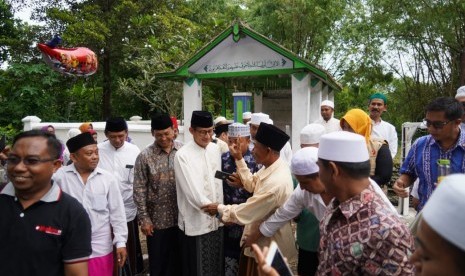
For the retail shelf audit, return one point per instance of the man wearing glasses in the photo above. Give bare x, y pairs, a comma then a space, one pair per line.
195, 165
445, 141
42, 229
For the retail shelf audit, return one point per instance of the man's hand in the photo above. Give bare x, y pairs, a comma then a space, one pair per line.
234, 181
211, 209
235, 149
399, 188
121, 255
252, 237
147, 228
262, 268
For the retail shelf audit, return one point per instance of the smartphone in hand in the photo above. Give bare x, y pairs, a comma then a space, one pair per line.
275, 259
222, 175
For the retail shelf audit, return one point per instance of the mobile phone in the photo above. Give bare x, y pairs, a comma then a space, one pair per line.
222, 175
275, 259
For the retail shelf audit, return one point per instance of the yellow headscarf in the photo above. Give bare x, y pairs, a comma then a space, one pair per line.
359, 121
85, 127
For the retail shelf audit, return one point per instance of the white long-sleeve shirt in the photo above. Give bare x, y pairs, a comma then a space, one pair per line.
120, 163
286, 153
301, 199
386, 131
330, 126
196, 186
102, 201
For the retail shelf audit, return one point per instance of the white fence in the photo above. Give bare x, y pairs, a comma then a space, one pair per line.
139, 130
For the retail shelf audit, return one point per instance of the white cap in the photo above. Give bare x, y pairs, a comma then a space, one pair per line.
343, 146
72, 132
304, 161
221, 119
238, 130
258, 118
247, 115
444, 210
460, 92
311, 134
327, 103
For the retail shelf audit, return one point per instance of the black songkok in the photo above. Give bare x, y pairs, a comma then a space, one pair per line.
201, 119
271, 136
79, 141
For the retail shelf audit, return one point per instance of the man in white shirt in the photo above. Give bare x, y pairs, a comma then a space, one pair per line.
327, 117
97, 190
195, 165
256, 119
382, 129
221, 133
118, 157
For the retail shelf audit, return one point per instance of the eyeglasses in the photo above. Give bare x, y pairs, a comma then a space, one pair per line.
28, 161
205, 132
435, 124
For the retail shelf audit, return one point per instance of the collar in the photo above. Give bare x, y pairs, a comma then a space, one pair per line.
54, 194
351, 206
375, 123
460, 142
107, 144
158, 150
72, 168
265, 172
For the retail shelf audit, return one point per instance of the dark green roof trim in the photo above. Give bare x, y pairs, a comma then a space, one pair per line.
246, 74
237, 29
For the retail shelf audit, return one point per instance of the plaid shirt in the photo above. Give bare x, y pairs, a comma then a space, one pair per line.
155, 187
362, 236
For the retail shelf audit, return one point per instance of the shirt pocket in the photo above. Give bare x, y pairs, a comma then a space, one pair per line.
99, 202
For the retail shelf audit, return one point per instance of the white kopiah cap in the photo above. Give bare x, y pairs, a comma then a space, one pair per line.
247, 115
460, 92
444, 210
311, 134
258, 118
343, 146
304, 161
327, 103
221, 120
238, 130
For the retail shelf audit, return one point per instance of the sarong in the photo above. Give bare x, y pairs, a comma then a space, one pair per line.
202, 255
101, 266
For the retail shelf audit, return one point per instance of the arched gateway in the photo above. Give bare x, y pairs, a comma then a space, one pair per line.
282, 84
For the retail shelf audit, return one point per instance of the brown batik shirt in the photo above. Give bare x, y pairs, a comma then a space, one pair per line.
362, 236
155, 187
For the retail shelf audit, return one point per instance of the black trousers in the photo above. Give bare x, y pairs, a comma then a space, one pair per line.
164, 253
308, 263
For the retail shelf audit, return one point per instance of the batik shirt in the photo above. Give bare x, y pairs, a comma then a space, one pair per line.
362, 236
421, 163
155, 187
234, 195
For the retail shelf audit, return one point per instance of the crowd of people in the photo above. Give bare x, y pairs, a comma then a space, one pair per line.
211, 206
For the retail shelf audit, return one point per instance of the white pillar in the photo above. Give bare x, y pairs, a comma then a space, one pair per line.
300, 106
315, 99
257, 102
331, 96
29, 122
324, 93
192, 99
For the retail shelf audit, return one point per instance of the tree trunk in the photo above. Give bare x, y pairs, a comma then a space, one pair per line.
106, 102
462, 68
